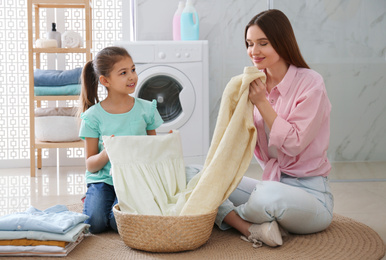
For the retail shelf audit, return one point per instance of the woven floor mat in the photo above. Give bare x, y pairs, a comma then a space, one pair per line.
345, 238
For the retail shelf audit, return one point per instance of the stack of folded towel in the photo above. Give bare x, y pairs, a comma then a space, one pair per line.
52, 232
57, 124
57, 82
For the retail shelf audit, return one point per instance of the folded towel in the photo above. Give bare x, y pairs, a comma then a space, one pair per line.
55, 111
70, 236
57, 77
71, 39
56, 219
231, 150
32, 242
69, 90
46, 43
39, 250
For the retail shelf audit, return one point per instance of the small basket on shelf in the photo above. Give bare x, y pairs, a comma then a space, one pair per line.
156, 233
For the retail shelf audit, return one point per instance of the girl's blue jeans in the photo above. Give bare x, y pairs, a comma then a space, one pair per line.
98, 205
101, 198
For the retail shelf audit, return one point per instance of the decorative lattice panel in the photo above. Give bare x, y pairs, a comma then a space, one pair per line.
14, 121
14, 109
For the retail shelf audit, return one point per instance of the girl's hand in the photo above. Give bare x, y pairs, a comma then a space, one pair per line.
257, 92
95, 160
104, 143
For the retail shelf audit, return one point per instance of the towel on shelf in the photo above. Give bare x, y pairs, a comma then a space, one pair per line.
71, 39
46, 43
57, 77
55, 111
67, 90
231, 150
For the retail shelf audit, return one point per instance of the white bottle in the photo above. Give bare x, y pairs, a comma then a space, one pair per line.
55, 35
177, 21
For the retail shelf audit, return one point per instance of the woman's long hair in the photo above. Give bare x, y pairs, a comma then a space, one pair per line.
280, 34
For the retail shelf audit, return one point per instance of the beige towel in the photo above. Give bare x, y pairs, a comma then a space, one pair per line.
231, 150
56, 111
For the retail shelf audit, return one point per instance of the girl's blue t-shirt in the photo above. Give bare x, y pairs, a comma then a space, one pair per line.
96, 122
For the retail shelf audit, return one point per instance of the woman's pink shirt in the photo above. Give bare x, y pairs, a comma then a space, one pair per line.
301, 131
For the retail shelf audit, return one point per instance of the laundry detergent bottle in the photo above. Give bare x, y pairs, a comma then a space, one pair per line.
177, 21
189, 23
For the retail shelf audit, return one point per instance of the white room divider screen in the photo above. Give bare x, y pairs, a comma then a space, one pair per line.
14, 110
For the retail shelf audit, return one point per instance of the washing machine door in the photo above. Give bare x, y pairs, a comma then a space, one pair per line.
173, 91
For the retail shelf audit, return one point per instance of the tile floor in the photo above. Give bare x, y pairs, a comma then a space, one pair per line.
359, 189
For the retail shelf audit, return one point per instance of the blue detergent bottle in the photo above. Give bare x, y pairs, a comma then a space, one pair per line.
189, 23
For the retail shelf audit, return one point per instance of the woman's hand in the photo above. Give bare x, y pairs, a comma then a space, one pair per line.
257, 92
257, 95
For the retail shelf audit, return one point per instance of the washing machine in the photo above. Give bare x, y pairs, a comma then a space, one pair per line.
175, 73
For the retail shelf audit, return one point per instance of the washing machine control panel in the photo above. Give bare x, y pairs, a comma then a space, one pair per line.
165, 51
178, 53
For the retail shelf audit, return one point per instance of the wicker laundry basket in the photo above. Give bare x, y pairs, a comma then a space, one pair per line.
164, 233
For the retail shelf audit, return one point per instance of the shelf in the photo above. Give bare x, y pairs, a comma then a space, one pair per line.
59, 50
75, 144
54, 98
34, 60
59, 3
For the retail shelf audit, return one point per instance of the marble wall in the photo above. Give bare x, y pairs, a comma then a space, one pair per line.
345, 41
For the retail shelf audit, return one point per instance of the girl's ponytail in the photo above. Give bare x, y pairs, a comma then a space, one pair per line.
89, 94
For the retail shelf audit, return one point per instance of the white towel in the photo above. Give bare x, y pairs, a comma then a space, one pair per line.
148, 173
71, 39
46, 43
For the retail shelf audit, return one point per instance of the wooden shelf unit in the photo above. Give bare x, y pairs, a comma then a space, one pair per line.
59, 50
40, 145
55, 98
33, 7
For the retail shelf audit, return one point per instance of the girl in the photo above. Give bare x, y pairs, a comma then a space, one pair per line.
292, 117
118, 114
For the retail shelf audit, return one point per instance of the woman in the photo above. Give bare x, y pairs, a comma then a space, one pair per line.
292, 117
